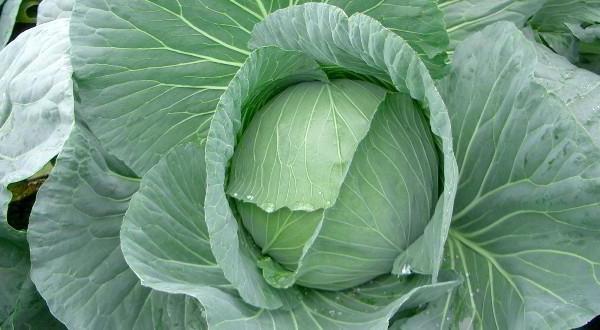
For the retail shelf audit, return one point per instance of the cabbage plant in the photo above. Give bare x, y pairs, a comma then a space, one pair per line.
301, 165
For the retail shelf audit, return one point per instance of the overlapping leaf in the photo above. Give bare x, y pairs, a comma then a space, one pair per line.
8, 17
362, 45
579, 89
464, 17
173, 260
50, 10
524, 232
146, 87
21, 306
77, 263
36, 102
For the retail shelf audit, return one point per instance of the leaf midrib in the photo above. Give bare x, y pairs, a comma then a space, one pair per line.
456, 235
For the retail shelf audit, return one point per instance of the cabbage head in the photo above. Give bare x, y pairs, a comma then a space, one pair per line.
275, 164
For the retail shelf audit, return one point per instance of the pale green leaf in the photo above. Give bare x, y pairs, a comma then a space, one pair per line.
329, 119
77, 263
387, 215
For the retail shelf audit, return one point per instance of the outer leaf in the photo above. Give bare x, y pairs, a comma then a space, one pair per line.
140, 109
361, 44
563, 43
464, 17
36, 100
8, 17
525, 229
77, 263
191, 49
363, 308
555, 15
419, 22
567, 27
20, 304
167, 260
50, 10
164, 236
579, 89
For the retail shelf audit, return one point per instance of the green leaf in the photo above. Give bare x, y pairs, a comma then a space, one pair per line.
387, 215
50, 10
164, 235
8, 18
191, 50
568, 28
271, 173
436, 315
36, 100
326, 248
524, 232
77, 263
555, 15
562, 43
419, 22
141, 109
464, 17
579, 89
20, 304
367, 307
362, 45
168, 260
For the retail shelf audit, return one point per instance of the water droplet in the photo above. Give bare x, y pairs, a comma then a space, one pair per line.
339, 313
477, 290
269, 208
249, 197
331, 313
406, 270
236, 195
448, 318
